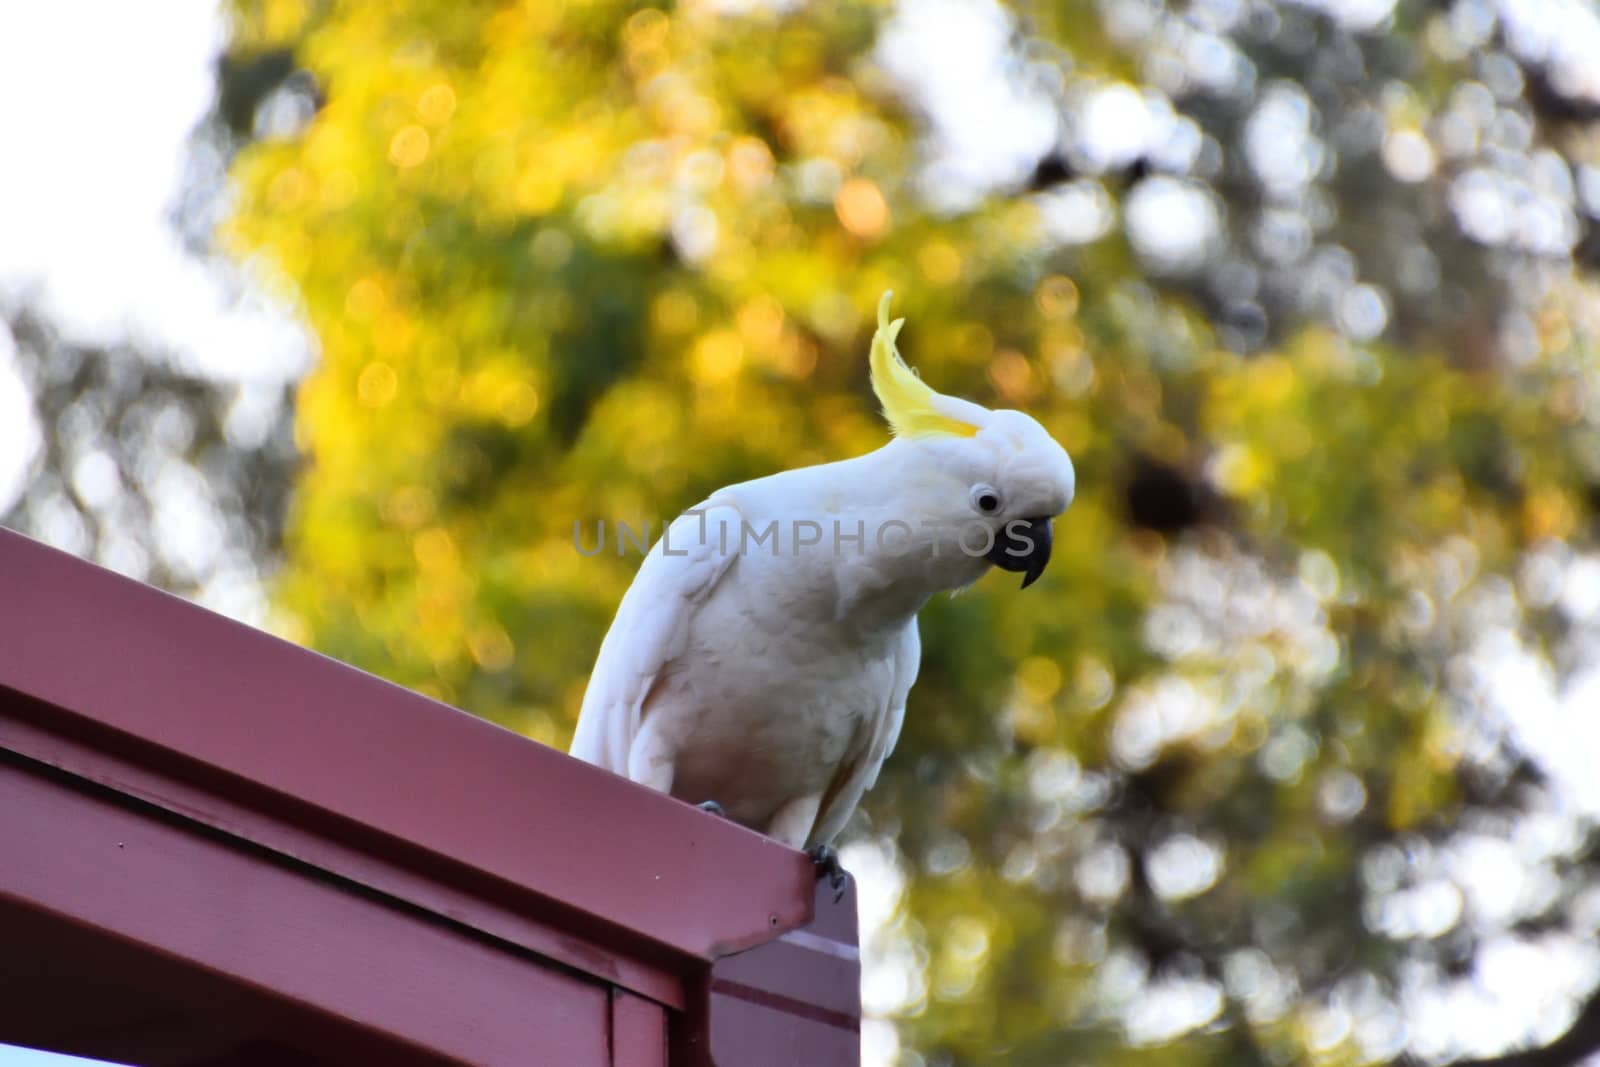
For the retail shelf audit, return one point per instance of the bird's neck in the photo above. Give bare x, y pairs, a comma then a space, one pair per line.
903, 558
864, 541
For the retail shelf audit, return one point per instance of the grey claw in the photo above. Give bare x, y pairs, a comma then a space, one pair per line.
827, 860
711, 807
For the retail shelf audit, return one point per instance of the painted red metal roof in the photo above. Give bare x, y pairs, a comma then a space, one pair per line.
268, 829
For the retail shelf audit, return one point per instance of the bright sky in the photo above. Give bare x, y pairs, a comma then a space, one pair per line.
12, 1056
89, 182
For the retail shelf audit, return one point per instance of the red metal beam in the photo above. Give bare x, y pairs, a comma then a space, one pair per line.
795, 1002
316, 736
315, 860
322, 968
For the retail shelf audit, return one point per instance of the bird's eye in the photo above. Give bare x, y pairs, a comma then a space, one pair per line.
985, 499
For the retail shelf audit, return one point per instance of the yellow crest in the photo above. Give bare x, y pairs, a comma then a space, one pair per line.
910, 404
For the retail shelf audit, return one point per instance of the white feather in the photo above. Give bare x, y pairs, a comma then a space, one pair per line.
649, 631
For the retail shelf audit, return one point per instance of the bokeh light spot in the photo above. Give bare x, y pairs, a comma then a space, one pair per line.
518, 404
377, 384
861, 208
436, 104
409, 146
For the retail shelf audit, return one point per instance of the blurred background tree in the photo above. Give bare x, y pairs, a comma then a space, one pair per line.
1288, 758
156, 471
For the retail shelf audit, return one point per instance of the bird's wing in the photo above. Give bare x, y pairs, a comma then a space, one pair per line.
651, 629
860, 771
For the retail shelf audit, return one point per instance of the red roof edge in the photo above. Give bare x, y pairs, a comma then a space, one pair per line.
167, 704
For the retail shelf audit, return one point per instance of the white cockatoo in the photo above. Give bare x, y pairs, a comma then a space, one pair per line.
759, 663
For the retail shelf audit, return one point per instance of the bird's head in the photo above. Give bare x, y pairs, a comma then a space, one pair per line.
992, 480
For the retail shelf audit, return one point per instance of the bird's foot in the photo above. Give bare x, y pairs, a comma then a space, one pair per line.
711, 807
827, 860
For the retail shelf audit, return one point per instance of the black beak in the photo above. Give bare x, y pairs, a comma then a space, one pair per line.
1022, 545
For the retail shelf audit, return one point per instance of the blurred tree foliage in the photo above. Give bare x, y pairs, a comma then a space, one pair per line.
1303, 289
147, 467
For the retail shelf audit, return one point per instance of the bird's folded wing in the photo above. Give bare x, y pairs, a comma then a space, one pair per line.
860, 770
651, 629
